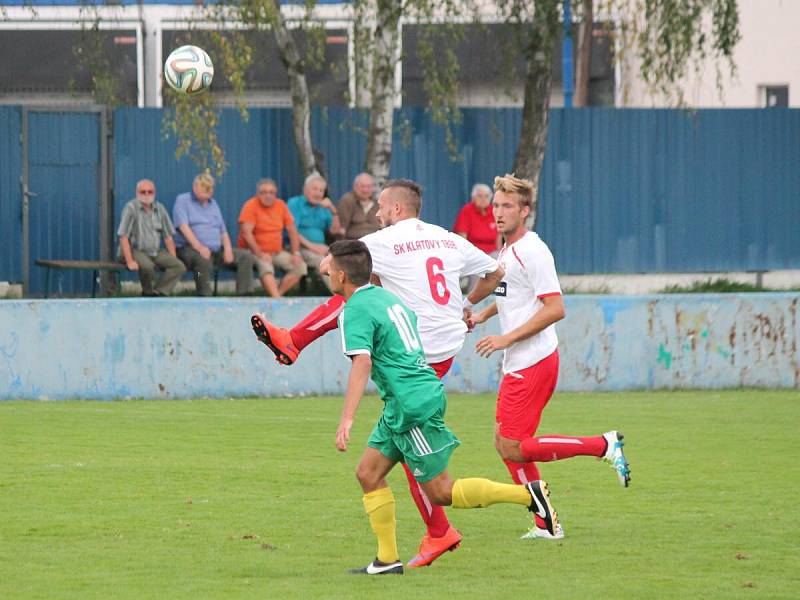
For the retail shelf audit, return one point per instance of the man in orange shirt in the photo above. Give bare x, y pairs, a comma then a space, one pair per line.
262, 222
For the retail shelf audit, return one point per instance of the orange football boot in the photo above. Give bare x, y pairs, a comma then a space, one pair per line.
277, 339
432, 548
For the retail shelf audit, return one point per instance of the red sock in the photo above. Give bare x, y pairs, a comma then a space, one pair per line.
523, 473
432, 514
317, 323
558, 447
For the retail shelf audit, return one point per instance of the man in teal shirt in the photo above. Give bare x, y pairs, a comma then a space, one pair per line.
380, 335
314, 214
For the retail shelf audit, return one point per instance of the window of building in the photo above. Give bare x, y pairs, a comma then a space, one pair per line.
774, 96
266, 81
487, 76
48, 64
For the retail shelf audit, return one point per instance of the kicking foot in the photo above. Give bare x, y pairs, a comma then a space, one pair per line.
616, 458
539, 533
432, 548
540, 505
277, 339
376, 567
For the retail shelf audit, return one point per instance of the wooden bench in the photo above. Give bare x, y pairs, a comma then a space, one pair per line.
80, 265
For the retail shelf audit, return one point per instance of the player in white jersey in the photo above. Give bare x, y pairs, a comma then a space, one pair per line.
529, 303
422, 264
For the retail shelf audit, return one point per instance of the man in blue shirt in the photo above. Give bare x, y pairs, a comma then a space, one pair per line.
202, 239
313, 214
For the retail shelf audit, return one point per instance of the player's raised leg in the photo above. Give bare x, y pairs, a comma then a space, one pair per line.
287, 344
477, 492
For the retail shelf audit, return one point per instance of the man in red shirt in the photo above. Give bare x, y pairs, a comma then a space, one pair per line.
262, 221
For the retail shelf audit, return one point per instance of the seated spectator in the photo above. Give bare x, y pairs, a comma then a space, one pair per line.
262, 221
475, 222
203, 241
358, 208
144, 226
314, 214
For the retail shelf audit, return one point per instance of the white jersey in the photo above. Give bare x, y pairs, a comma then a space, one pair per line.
530, 276
421, 264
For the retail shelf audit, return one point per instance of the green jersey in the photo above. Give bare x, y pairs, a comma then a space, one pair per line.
375, 322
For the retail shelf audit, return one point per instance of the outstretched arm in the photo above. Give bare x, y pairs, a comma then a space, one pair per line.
486, 285
551, 312
356, 383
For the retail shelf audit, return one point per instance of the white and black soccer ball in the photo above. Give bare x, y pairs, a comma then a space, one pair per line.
189, 70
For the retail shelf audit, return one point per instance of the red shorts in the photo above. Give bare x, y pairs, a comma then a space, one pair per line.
523, 396
443, 367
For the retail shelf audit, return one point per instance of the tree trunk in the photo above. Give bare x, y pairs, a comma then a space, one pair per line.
535, 110
301, 106
381, 113
583, 66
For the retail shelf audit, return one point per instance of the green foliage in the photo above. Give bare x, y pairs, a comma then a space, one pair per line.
249, 499
721, 285
670, 36
91, 56
441, 69
193, 120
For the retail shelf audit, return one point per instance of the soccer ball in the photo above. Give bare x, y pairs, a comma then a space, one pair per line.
188, 70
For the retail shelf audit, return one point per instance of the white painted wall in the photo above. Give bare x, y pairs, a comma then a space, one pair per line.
189, 347
768, 54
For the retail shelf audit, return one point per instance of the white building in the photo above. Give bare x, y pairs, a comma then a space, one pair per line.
38, 64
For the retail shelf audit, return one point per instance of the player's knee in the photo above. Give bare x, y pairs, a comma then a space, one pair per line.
439, 494
366, 477
506, 448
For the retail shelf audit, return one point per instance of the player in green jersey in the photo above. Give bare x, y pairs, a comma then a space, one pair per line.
380, 335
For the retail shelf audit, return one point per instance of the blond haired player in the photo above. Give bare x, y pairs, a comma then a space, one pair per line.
421, 263
529, 303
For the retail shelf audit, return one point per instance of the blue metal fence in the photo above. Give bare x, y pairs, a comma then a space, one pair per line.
64, 216
10, 193
664, 190
621, 190
263, 147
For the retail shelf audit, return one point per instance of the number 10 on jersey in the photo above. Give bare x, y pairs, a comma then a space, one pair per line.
403, 325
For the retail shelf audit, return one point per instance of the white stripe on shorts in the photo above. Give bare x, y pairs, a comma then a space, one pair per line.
419, 441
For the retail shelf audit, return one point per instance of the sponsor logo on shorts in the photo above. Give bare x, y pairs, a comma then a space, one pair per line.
417, 473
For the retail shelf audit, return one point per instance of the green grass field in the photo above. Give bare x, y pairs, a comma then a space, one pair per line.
249, 499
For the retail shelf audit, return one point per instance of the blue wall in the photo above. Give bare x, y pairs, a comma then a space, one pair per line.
622, 191
10, 193
264, 147
185, 348
664, 190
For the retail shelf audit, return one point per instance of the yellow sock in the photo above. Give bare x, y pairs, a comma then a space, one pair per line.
380, 510
479, 493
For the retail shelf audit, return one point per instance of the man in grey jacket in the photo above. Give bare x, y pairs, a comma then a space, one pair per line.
144, 227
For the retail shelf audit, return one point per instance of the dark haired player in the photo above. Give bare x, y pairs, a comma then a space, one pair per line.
421, 264
380, 336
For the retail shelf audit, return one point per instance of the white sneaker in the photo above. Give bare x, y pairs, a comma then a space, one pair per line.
536, 532
616, 458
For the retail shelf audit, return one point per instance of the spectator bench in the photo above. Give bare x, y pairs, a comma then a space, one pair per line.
95, 266
80, 265
118, 269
